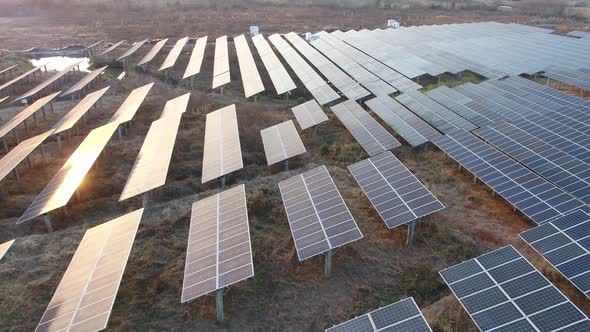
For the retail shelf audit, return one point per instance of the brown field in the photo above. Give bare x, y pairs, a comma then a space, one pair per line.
285, 294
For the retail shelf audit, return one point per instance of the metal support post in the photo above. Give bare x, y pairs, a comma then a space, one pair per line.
120, 133
286, 164
5, 144
223, 181
16, 175
411, 228
47, 220
328, 264
219, 304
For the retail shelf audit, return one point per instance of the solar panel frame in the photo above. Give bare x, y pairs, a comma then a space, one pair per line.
87, 291
504, 290
112, 47
221, 69
174, 54
84, 81
232, 261
47, 82
251, 80
71, 118
329, 226
364, 128
403, 315
309, 114
129, 107
151, 54
278, 74
10, 161
194, 64
18, 78
26, 113
385, 176
132, 50
281, 142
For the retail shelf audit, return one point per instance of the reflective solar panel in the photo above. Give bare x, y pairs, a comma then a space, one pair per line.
132, 50
194, 64
151, 166
65, 182
25, 113
72, 117
4, 248
318, 216
281, 142
112, 47
174, 54
502, 291
18, 78
84, 81
309, 114
222, 152
152, 52
221, 75
396, 194
47, 82
250, 77
401, 316
565, 244
219, 251
131, 104
535, 197
11, 160
368, 132
86, 293
278, 74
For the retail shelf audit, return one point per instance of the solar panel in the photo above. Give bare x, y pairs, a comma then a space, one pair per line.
396, 194
531, 194
2, 99
368, 132
219, 251
10, 161
403, 315
131, 104
87, 291
174, 53
72, 117
47, 82
65, 182
281, 142
6, 70
84, 81
502, 291
18, 78
318, 216
132, 50
24, 114
309, 114
221, 75
278, 74
564, 242
4, 248
153, 52
151, 166
222, 154
112, 48
405, 130
250, 77
194, 63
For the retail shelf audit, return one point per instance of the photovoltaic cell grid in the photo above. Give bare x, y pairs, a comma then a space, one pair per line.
366, 130
219, 251
221, 75
401, 316
194, 63
152, 52
532, 195
565, 171
278, 74
502, 291
565, 244
281, 142
65, 182
251, 80
396, 194
4, 248
86, 293
309, 114
318, 216
222, 153
413, 129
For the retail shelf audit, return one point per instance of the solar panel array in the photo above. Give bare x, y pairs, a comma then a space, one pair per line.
75, 114
194, 63
564, 242
413, 129
369, 133
396, 194
129, 107
403, 315
222, 154
219, 251
86, 293
65, 182
136, 46
149, 56
534, 196
151, 166
18, 78
278, 74
47, 82
580, 34
281, 142
10, 161
349, 87
4, 247
318, 216
84, 81
25, 113
502, 291
577, 77
112, 47
250, 77
314, 83
221, 74
174, 54
309, 114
